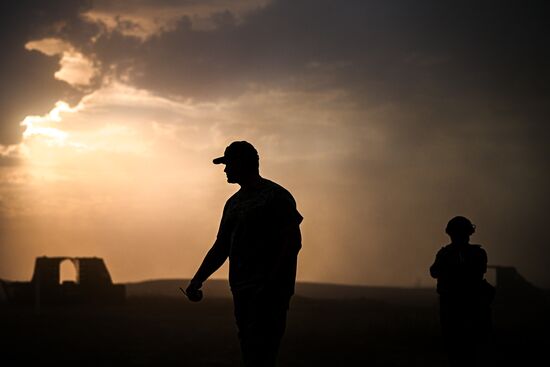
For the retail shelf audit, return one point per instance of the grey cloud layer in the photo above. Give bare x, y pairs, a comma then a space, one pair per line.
464, 54
444, 63
400, 49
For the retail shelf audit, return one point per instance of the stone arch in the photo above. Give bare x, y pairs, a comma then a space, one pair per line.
68, 271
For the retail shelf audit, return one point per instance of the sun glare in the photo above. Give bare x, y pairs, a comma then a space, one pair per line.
40, 125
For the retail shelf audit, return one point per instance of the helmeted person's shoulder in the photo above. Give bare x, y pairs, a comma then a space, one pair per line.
476, 248
445, 248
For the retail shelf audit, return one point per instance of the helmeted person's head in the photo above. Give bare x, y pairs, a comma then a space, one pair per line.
460, 229
241, 161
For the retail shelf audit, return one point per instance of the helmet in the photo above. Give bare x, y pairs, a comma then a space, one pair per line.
460, 226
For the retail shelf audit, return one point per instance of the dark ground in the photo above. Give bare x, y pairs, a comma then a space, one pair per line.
169, 331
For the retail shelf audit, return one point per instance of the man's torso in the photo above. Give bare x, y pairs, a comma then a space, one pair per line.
253, 222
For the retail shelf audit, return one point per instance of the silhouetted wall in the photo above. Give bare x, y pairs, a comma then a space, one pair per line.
93, 283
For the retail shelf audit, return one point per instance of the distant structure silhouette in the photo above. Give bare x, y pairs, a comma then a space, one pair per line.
510, 282
260, 234
93, 284
465, 296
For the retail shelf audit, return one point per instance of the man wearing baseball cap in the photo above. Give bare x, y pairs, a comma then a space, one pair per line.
260, 234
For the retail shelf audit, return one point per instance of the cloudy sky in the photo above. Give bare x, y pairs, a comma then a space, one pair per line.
383, 118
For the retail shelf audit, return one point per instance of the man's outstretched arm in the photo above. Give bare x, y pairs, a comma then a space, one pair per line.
213, 260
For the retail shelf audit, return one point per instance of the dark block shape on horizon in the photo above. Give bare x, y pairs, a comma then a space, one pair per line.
93, 284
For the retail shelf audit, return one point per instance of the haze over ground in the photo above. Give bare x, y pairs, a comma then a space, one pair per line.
383, 119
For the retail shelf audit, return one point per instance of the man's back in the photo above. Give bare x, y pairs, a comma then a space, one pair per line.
255, 226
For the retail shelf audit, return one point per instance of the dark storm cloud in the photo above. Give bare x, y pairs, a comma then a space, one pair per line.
455, 56
400, 48
445, 63
28, 83
464, 69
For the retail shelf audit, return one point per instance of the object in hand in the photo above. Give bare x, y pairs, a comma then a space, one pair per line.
193, 294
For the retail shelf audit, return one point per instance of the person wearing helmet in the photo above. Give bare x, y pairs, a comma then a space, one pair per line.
464, 295
260, 234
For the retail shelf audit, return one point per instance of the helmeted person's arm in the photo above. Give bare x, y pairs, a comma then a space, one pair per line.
483, 265
437, 267
481, 262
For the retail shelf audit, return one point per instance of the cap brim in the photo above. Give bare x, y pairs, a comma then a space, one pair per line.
219, 160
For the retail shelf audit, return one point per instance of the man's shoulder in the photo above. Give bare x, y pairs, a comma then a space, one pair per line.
267, 192
232, 199
276, 189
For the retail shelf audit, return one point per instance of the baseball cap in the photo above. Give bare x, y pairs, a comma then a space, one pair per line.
238, 151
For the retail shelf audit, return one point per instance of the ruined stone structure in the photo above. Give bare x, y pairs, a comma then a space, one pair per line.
93, 283
513, 290
509, 280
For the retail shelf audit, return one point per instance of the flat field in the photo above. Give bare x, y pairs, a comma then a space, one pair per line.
356, 327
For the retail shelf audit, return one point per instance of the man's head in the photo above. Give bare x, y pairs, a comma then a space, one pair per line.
241, 162
460, 229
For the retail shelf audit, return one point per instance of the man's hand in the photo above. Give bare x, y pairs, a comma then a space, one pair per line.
193, 291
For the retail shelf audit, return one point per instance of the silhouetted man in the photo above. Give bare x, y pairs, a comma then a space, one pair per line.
464, 295
260, 233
